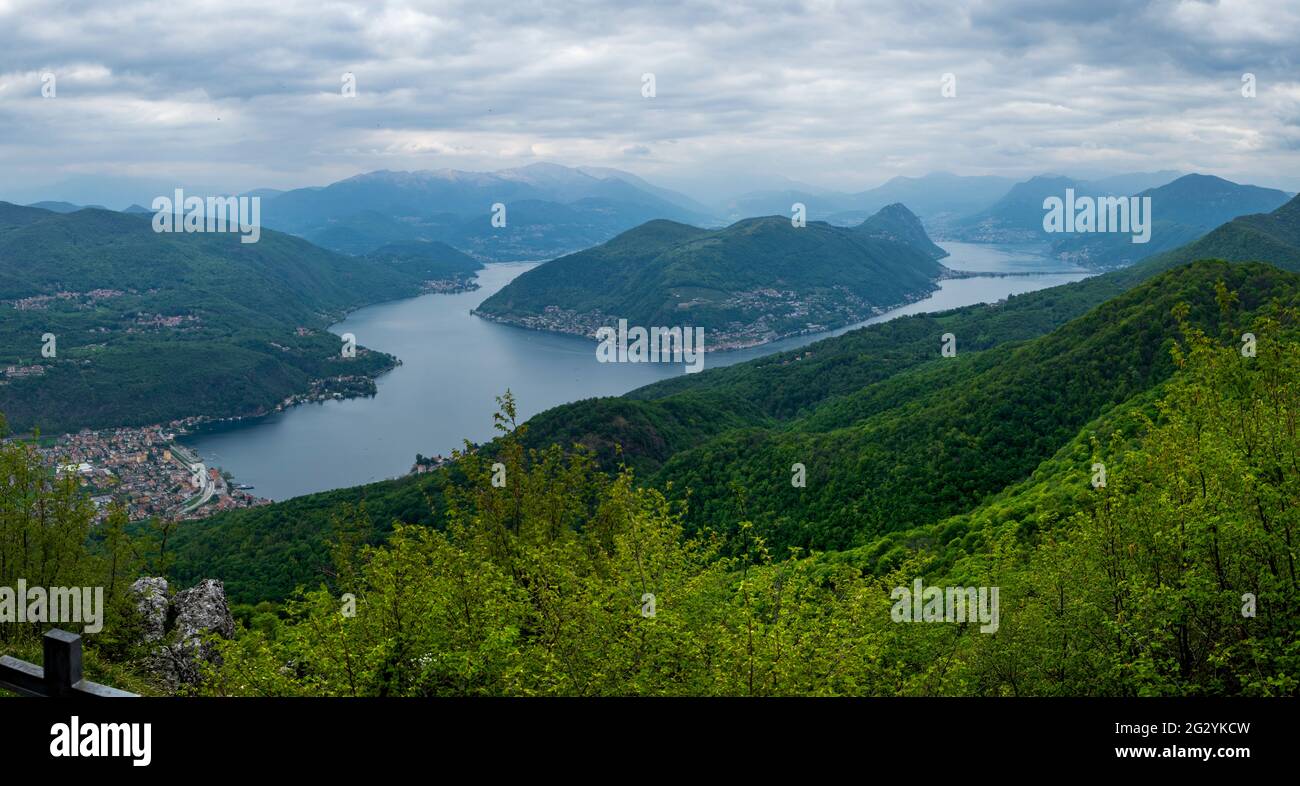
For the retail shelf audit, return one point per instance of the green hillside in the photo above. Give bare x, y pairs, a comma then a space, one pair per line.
752, 282
151, 327
1176, 577
931, 437
941, 437
426, 261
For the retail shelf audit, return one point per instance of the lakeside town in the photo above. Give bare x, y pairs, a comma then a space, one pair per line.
152, 475
450, 286
147, 471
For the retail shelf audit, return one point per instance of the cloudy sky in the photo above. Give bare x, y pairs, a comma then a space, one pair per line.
236, 95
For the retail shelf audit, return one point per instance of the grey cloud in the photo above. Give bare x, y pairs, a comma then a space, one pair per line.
842, 95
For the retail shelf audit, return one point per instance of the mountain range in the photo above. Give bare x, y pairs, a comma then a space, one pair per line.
553, 210
1182, 210
549, 210
159, 289
936, 198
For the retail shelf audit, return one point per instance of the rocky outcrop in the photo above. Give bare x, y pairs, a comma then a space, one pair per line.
181, 627
151, 599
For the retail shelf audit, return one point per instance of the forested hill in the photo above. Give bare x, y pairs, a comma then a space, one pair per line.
153, 326
425, 260
940, 438
849, 402
895, 222
752, 282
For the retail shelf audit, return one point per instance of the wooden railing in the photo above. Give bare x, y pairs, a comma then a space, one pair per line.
61, 675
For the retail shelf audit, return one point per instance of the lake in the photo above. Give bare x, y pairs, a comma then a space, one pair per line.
455, 364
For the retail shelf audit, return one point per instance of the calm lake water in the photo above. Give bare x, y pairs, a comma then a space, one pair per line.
455, 364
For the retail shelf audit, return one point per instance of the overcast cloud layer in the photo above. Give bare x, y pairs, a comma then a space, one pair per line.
236, 95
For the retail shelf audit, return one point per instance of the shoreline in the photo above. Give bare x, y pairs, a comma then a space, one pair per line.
760, 347
737, 346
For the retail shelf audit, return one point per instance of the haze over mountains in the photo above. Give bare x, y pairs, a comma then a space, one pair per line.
749, 282
935, 197
552, 210
1182, 208
747, 293
1182, 211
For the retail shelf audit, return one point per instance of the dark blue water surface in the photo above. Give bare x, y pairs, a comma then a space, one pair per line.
455, 364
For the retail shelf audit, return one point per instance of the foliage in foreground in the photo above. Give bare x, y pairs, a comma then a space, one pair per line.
47, 541
539, 587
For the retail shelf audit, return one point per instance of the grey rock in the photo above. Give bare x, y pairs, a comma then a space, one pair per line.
201, 609
151, 601
188, 621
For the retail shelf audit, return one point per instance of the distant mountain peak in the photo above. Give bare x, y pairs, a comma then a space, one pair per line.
1197, 177
898, 209
897, 223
